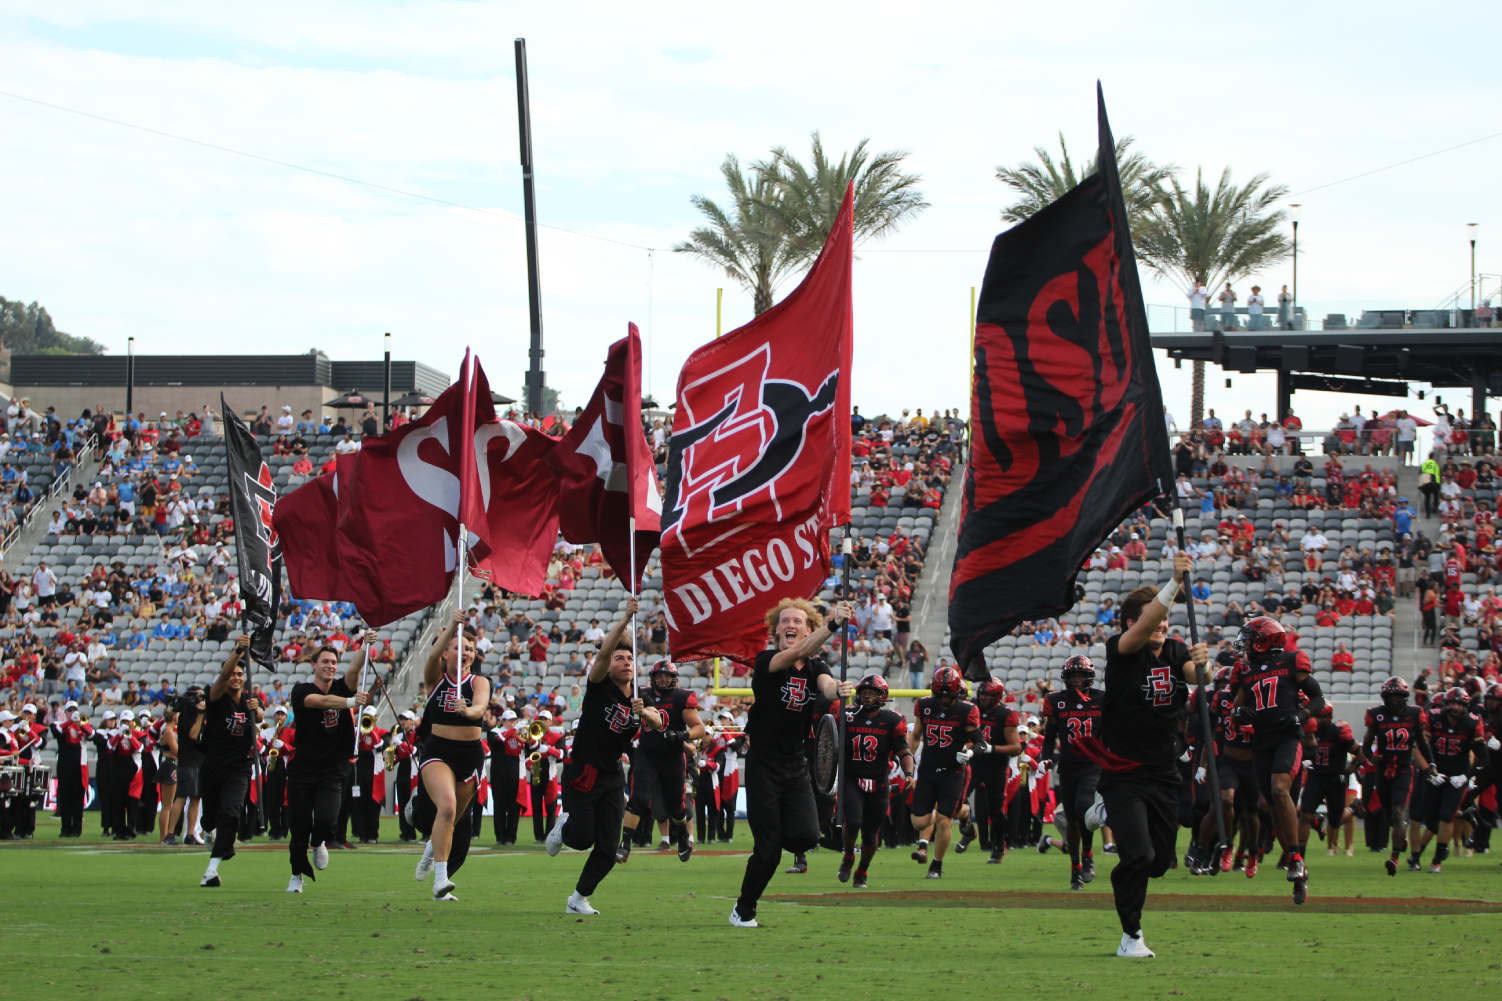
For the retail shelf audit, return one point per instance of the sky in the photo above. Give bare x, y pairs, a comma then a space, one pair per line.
121, 232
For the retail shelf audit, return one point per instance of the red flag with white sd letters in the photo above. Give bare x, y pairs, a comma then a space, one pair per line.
759, 463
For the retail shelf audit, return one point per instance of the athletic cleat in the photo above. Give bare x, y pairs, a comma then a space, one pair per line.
295, 885
1414, 865
443, 889
1087, 867
739, 922
1300, 891
424, 864
860, 880
1134, 947
555, 836
967, 835
664, 845
1434, 868
1251, 867
1077, 879
799, 866
846, 864
1392, 866
685, 845
578, 904
1240, 862
997, 854
623, 853
1283, 861
321, 857
1226, 855
920, 855
935, 870
1297, 869
1043, 845
209, 879
1109, 849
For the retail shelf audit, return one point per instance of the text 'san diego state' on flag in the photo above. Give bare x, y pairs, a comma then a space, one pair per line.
759, 463
1067, 432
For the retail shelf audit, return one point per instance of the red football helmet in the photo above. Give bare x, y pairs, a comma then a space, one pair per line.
1260, 640
990, 692
1326, 711
946, 681
1456, 697
877, 686
1079, 666
1495, 692
1395, 690
1223, 676
664, 675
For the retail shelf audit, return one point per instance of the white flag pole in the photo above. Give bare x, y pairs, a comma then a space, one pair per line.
631, 590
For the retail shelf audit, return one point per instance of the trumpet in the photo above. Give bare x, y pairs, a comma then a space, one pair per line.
536, 731
367, 722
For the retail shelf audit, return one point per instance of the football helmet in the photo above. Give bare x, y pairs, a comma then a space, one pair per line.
1455, 697
1260, 640
946, 681
990, 692
871, 692
1395, 692
1079, 666
1223, 676
664, 675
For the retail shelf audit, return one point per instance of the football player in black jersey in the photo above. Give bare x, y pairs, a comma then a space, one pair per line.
1269, 680
988, 771
226, 732
1070, 715
1458, 740
779, 791
1327, 749
946, 723
1491, 721
1395, 742
657, 767
873, 736
1147, 688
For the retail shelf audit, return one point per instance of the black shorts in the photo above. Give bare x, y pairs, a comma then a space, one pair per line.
1277, 755
653, 775
941, 790
866, 808
1326, 788
1077, 782
187, 781
1441, 804
465, 758
1239, 776
166, 772
1394, 791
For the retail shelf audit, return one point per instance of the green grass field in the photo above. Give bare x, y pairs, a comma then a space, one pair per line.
97, 920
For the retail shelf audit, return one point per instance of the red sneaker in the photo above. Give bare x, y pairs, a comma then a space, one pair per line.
1251, 866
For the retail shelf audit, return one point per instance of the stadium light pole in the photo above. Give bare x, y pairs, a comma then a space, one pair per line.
386, 400
130, 377
1293, 213
1471, 232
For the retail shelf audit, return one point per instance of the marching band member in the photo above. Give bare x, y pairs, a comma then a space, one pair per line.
593, 806
31, 737
104, 761
540, 774
505, 743
404, 748
149, 732
125, 746
276, 737
365, 817
71, 731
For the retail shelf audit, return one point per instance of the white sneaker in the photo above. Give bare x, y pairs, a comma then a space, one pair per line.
554, 840
740, 922
1134, 948
425, 864
578, 904
1095, 817
443, 889
321, 857
294, 885
209, 879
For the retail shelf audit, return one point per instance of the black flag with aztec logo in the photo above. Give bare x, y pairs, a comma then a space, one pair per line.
258, 549
1067, 430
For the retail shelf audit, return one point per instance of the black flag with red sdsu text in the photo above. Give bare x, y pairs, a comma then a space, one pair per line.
759, 463
1067, 432
258, 549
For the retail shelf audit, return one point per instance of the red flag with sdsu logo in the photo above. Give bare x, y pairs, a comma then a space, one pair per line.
1066, 414
605, 466
759, 463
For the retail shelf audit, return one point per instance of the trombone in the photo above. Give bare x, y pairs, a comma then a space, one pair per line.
367, 722
536, 731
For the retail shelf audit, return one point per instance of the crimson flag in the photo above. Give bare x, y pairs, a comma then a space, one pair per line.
307, 520
759, 463
1066, 414
606, 470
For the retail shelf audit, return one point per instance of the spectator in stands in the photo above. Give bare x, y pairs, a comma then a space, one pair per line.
917, 660
1254, 308
1201, 592
537, 646
1227, 299
1342, 659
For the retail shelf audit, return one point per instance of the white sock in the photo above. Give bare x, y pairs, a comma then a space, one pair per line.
213, 867
922, 842
441, 870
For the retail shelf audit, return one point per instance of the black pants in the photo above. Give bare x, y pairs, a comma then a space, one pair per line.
1328, 788
709, 815
1431, 498
70, 791
312, 813
780, 809
104, 790
403, 794
594, 825
990, 781
657, 778
1441, 804
1374, 825
122, 804
544, 812
224, 785
346, 803
504, 809
274, 801
1431, 626
146, 808
865, 811
1142, 811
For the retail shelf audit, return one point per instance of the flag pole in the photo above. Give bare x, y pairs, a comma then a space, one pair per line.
631, 590
1194, 637
839, 799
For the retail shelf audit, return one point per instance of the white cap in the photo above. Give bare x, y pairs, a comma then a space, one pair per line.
127, 714
508, 714
288, 409
407, 714
544, 714
6, 715
70, 704
279, 709
29, 707
369, 711
107, 715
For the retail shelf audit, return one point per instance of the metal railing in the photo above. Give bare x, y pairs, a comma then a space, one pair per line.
39, 501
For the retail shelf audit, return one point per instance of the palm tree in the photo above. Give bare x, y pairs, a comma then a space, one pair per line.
1216, 236
785, 210
1042, 183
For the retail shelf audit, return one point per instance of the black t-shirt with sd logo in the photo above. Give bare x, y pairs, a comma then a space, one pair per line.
229, 729
324, 738
779, 721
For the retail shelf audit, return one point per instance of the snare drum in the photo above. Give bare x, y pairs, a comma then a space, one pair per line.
12, 780
38, 780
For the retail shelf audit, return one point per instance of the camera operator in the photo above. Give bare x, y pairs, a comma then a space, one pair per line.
189, 707
227, 732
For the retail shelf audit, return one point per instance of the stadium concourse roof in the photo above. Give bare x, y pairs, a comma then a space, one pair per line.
1368, 362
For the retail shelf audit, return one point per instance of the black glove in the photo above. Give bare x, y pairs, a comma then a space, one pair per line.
980, 746
675, 735
1244, 715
